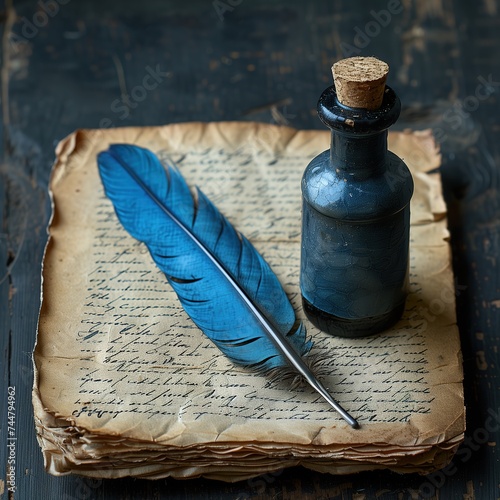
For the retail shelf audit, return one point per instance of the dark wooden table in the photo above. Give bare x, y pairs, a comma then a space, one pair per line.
66, 65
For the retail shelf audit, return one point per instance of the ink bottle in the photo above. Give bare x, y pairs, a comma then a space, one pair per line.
356, 208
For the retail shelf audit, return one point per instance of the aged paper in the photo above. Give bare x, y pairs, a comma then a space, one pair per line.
120, 367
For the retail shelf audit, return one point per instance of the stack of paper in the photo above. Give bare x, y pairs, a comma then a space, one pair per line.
125, 384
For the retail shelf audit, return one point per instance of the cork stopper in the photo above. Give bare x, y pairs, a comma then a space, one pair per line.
360, 82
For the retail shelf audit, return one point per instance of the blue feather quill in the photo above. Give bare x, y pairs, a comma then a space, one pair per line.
222, 282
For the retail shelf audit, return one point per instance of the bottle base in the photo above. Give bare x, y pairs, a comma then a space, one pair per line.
351, 328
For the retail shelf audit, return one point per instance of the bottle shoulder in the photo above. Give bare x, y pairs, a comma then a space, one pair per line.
343, 195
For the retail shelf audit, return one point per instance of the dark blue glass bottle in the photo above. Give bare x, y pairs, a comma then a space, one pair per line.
355, 222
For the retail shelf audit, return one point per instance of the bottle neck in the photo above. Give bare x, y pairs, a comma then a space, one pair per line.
358, 155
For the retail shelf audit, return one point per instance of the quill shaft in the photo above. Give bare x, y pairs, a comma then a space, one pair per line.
289, 353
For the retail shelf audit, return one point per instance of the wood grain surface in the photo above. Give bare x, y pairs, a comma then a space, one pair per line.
68, 64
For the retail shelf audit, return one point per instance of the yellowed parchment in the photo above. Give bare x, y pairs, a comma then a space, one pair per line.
125, 381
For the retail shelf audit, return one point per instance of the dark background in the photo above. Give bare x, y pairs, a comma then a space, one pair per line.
252, 60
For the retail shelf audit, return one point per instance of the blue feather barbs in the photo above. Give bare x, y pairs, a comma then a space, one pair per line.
221, 280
